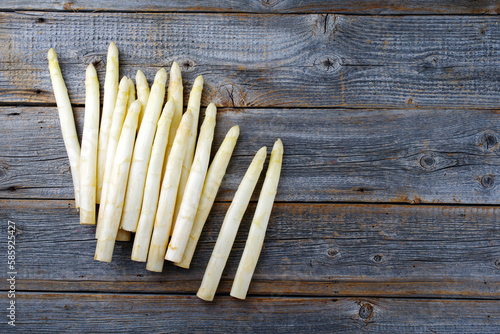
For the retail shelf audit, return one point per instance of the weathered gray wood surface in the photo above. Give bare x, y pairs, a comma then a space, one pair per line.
340, 155
265, 6
375, 250
372, 109
111, 313
266, 60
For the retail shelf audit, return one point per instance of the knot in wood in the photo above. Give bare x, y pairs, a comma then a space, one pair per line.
187, 65
427, 161
332, 252
365, 311
487, 181
328, 63
269, 3
488, 141
3, 172
377, 258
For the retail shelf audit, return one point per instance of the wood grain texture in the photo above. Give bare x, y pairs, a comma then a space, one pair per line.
325, 249
339, 155
266, 60
83, 313
265, 6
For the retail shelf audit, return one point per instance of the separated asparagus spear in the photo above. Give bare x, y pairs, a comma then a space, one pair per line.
194, 187
258, 228
211, 186
110, 94
194, 107
152, 187
142, 154
168, 193
114, 136
67, 121
230, 227
88, 158
110, 221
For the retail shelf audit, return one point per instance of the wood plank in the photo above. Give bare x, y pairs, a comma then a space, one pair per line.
109, 313
265, 6
411, 155
314, 249
266, 60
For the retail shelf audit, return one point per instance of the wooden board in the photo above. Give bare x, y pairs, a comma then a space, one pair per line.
331, 155
373, 250
264, 6
111, 313
266, 60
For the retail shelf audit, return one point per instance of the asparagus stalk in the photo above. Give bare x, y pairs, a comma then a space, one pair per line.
114, 136
116, 191
152, 188
229, 228
168, 193
194, 107
258, 228
131, 93
123, 235
110, 93
142, 92
67, 121
175, 93
88, 158
212, 182
142, 153
194, 186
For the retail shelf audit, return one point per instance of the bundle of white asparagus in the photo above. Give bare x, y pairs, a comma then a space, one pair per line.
149, 171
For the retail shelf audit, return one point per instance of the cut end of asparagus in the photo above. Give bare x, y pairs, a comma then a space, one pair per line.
239, 295
104, 250
155, 258
123, 235
204, 296
182, 264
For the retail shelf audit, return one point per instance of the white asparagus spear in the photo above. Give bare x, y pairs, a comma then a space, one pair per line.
123, 235
175, 92
166, 202
110, 93
229, 228
67, 121
194, 107
142, 154
116, 191
212, 182
258, 228
142, 92
88, 158
152, 187
131, 93
114, 136
194, 187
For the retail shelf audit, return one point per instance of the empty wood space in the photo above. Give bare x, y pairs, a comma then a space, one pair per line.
386, 217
